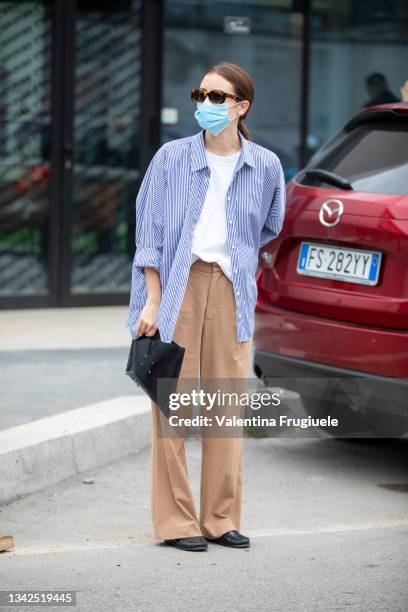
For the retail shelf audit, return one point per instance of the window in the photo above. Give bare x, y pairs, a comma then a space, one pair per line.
372, 157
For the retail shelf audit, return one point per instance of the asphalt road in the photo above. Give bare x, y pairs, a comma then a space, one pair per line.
328, 521
40, 383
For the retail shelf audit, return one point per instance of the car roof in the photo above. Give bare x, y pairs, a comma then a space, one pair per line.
393, 110
397, 106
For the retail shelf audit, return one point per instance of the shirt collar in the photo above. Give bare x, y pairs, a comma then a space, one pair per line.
199, 159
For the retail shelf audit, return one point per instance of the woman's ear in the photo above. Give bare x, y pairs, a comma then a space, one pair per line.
246, 108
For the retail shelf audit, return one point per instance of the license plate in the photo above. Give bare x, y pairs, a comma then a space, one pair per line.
351, 265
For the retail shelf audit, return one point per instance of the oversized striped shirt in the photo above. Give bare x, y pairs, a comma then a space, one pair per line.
168, 206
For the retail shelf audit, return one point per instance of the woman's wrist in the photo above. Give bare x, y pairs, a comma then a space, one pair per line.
153, 300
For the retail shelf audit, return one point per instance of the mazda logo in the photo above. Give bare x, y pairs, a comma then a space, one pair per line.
330, 212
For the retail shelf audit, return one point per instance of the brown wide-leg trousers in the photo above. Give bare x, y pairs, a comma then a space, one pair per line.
206, 327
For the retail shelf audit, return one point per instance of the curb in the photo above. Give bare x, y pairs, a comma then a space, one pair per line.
46, 451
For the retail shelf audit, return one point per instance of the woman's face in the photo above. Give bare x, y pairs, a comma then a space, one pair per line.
216, 81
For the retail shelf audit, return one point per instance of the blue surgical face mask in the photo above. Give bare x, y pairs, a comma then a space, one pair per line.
213, 117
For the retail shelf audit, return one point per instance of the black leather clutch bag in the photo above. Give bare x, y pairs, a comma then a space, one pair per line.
150, 359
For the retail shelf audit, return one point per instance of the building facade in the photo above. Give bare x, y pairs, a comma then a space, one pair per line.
90, 89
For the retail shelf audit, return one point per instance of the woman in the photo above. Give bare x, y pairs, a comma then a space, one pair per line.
206, 205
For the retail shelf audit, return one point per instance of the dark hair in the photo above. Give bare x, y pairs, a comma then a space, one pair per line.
243, 87
376, 78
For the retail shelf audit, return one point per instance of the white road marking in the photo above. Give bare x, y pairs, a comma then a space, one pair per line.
38, 549
41, 549
267, 533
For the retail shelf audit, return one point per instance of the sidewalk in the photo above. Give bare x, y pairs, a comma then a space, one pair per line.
63, 328
66, 403
53, 360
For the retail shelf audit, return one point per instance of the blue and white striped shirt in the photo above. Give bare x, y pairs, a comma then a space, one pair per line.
168, 206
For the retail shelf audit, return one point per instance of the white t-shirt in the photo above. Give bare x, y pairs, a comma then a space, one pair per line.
210, 233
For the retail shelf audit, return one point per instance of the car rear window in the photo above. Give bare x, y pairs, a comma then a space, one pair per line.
373, 157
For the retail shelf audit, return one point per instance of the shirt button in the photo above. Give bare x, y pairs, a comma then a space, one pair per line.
239, 314
228, 198
237, 292
230, 221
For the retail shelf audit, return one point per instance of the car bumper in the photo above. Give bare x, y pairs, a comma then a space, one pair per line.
362, 348
380, 394
312, 353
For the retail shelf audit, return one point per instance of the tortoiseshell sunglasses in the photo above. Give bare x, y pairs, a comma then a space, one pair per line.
216, 96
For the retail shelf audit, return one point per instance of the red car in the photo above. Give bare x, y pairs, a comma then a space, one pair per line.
332, 311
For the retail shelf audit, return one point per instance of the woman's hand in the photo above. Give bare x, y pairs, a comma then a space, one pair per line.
404, 92
147, 324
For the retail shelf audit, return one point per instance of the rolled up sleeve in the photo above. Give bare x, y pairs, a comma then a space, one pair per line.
274, 220
149, 207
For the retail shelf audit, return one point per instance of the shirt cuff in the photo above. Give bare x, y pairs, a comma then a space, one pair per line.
148, 257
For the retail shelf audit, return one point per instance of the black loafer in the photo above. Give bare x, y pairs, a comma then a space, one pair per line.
193, 543
232, 538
